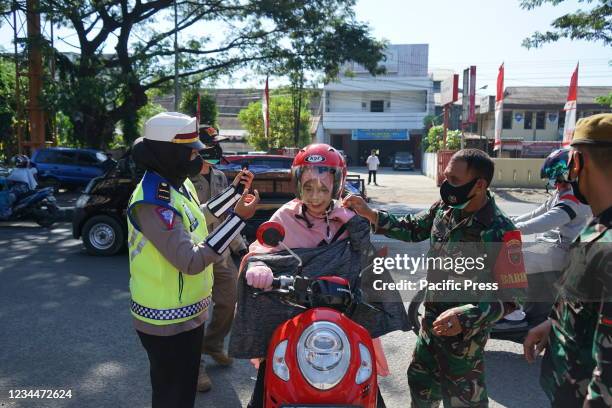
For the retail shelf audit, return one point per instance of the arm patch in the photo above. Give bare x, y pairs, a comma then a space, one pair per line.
166, 216
509, 269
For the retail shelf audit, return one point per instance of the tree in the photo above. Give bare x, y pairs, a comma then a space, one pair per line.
97, 90
281, 123
590, 25
8, 109
435, 139
605, 100
431, 120
208, 105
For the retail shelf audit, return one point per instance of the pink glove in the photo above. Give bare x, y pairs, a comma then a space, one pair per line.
259, 277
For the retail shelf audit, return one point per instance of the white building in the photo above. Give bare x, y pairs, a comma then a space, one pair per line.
361, 112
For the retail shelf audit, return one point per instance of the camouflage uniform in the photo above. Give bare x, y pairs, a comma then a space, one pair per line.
577, 365
451, 368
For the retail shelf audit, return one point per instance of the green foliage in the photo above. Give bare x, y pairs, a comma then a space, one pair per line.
8, 142
281, 123
208, 106
435, 139
605, 100
594, 24
97, 91
431, 120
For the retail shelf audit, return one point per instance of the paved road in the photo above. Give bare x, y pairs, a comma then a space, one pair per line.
67, 326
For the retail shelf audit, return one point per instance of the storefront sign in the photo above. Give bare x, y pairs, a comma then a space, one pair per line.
380, 134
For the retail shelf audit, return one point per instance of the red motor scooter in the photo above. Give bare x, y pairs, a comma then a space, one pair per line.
319, 358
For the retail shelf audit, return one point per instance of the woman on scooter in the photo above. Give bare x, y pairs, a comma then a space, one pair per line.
559, 220
314, 219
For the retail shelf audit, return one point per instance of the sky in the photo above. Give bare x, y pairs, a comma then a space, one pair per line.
484, 33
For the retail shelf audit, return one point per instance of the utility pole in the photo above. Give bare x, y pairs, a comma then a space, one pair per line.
35, 112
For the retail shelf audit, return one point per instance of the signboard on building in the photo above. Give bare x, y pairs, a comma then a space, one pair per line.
486, 104
449, 90
380, 134
537, 149
469, 95
465, 97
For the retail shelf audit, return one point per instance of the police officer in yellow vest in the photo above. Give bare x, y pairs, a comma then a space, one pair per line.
171, 253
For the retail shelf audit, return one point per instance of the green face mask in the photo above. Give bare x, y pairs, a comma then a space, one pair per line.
212, 161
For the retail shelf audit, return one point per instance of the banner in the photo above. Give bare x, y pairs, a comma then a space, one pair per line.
380, 134
499, 108
265, 107
570, 109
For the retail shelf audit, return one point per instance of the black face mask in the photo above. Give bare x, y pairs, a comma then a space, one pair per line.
212, 154
574, 183
457, 197
194, 167
578, 193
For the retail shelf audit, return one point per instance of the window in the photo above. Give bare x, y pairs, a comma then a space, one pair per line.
561, 121
528, 120
64, 157
44, 156
87, 159
377, 106
541, 120
507, 120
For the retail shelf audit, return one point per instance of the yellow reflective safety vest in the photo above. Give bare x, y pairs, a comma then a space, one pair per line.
161, 294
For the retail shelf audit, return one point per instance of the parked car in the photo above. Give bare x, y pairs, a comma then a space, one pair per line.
101, 210
403, 160
69, 167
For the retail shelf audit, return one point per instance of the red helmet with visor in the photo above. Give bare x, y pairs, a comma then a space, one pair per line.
321, 162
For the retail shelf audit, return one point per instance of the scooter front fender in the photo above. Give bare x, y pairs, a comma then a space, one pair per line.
297, 390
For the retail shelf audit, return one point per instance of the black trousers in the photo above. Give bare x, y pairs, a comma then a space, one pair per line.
370, 173
174, 366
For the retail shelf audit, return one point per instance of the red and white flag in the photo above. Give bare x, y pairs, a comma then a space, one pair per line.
499, 108
265, 107
570, 109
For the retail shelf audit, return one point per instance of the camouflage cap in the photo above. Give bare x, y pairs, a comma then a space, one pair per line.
596, 129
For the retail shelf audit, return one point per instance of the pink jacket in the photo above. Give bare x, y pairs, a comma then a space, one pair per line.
306, 231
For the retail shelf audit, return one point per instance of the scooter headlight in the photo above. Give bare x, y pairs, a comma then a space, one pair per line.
279, 365
324, 354
365, 369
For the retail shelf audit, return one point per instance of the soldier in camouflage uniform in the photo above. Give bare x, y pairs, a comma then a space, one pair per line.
577, 365
448, 361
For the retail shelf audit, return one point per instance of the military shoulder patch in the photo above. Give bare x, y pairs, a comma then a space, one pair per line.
163, 191
166, 216
509, 270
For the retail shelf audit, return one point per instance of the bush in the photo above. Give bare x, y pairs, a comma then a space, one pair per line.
435, 139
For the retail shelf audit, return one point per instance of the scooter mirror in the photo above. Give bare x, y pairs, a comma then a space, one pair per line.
270, 234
